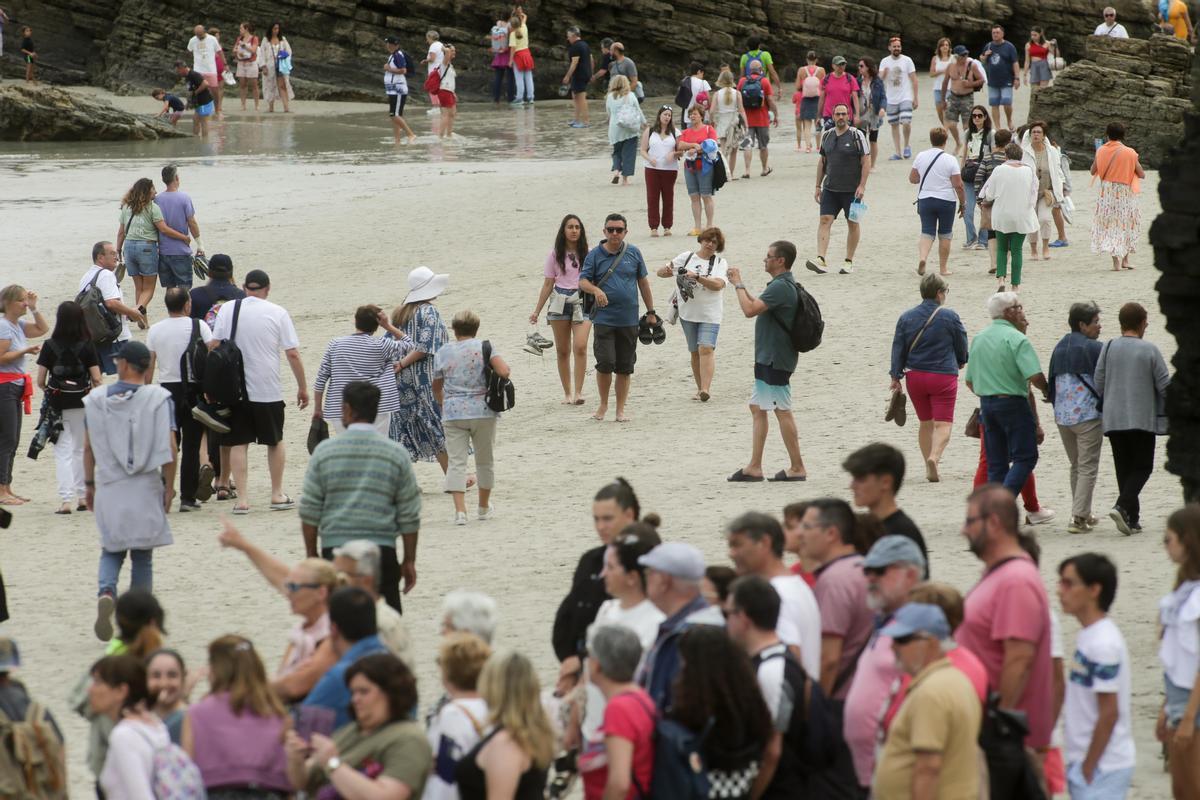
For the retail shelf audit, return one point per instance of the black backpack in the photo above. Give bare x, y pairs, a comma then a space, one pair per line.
1013, 773
684, 95
807, 325
194, 358
224, 379
68, 376
501, 394
753, 95
103, 325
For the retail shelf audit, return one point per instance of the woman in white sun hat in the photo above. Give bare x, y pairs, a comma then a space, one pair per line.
418, 423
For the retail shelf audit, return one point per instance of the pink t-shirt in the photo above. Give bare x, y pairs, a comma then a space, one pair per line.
630, 716
866, 702
568, 279
1010, 602
841, 591
839, 90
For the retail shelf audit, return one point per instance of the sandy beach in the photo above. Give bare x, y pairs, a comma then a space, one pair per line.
335, 233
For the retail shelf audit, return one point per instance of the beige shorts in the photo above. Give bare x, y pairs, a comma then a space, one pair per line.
247, 69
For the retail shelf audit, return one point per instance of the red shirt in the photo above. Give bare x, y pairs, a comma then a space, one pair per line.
630, 716
758, 117
697, 135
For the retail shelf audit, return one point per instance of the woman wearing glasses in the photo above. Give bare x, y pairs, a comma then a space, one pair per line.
561, 287
977, 146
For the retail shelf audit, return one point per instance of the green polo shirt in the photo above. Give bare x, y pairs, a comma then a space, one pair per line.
772, 341
1002, 361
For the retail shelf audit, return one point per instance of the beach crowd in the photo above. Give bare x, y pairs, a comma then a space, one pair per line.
821, 660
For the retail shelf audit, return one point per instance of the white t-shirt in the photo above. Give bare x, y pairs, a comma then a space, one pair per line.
263, 330
167, 340
706, 304
643, 619
1100, 665
937, 181
799, 620
108, 286
452, 734
1116, 30
449, 79
204, 54
896, 82
437, 53
129, 767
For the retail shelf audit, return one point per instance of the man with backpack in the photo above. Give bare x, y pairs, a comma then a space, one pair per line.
758, 99
842, 172
101, 298
178, 346
754, 52
775, 357
32, 759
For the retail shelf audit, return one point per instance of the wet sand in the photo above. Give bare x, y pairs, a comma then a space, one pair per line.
338, 229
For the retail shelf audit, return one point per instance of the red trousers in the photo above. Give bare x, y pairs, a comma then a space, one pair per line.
660, 187
1028, 491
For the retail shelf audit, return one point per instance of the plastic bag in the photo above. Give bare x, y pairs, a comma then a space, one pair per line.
858, 210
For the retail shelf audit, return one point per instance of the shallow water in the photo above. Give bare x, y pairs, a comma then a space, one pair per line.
482, 133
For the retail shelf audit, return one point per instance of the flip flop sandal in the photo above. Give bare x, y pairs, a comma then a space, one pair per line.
783, 477
240, 510
742, 477
287, 504
645, 331
767, 172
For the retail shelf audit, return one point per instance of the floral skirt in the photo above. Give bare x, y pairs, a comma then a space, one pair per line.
1117, 224
418, 423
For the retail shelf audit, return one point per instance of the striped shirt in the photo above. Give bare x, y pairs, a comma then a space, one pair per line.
361, 485
360, 357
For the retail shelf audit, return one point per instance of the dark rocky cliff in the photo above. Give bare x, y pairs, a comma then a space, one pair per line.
129, 45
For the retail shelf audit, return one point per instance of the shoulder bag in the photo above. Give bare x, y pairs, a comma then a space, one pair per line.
926, 175
589, 299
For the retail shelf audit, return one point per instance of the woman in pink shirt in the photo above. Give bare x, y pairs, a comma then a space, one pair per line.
565, 315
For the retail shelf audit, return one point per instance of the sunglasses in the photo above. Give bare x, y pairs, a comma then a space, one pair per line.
903, 640
294, 587
1110, 15
614, 230
978, 116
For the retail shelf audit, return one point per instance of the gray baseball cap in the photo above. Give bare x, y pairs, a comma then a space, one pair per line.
10, 656
676, 559
894, 549
918, 618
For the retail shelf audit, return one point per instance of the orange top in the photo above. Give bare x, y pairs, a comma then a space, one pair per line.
1117, 163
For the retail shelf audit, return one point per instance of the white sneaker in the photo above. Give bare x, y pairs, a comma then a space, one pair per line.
460, 518
487, 513
1039, 517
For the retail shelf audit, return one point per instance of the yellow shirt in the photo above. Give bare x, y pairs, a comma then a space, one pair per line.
1177, 16
941, 714
518, 39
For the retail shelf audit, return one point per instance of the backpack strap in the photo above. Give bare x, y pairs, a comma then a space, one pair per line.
184, 370
487, 356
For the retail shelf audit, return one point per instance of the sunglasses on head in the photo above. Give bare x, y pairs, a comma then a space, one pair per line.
614, 230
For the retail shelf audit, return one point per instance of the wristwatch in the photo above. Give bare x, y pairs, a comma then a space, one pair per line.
332, 764
737, 286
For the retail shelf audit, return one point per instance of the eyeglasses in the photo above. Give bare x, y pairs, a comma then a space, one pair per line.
294, 587
614, 230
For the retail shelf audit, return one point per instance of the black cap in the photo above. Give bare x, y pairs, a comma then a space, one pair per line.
257, 279
391, 40
220, 264
135, 354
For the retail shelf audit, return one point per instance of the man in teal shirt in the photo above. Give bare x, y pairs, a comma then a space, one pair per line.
774, 361
1001, 366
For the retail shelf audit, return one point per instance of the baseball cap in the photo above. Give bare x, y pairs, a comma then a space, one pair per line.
676, 559
135, 354
391, 40
893, 549
839, 59
918, 618
257, 279
220, 264
960, 50
10, 656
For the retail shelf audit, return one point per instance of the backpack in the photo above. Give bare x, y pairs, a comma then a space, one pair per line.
103, 325
820, 729
680, 771
175, 776
193, 358
683, 97
501, 394
32, 763
224, 379
210, 316
69, 378
410, 65
1013, 773
807, 325
756, 55
752, 92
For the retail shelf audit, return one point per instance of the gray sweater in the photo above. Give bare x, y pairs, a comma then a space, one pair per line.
1132, 379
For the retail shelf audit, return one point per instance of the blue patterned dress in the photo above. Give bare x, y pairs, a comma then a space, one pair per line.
418, 423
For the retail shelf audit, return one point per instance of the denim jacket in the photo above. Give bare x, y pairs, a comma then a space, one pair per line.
943, 346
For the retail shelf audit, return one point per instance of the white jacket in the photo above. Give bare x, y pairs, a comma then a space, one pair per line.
1013, 192
1055, 159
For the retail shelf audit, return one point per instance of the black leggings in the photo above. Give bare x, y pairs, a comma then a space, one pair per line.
1133, 457
10, 428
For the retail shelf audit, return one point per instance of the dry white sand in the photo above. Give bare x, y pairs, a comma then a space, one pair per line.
336, 236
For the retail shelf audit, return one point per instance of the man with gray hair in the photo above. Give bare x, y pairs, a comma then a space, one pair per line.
1071, 388
1001, 366
361, 562
1110, 26
931, 748
893, 567
579, 75
469, 612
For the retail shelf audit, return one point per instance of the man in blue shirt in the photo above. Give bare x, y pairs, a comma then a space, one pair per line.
353, 634
1003, 67
614, 273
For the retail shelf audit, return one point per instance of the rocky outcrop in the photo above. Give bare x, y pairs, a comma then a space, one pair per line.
45, 114
1144, 82
130, 45
1176, 239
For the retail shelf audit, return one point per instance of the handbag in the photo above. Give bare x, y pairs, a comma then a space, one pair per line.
630, 116
896, 409
972, 428
589, 299
1048, 197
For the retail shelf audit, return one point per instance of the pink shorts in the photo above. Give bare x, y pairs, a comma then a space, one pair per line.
932, 395
212, 79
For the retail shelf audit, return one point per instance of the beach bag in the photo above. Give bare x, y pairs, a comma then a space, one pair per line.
224, 379
1012, 770
174, 775
283, 63
32, 765
720, 174
501, 394
807, 326
752, 92
630, 116
683, 97
103, 325
433, 82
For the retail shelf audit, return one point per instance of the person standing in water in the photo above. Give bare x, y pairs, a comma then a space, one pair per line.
395, 84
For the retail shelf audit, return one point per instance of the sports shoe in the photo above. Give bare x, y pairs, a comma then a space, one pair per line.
1078, 525
105, 605
486, 513
539, 341
981, 246
1060, 243
1121, 519
817, 266
460, 518
204, 483
970, 243
579, 125
908, 152
210, 416
847, 268
188, 505
895, 157
1039, 517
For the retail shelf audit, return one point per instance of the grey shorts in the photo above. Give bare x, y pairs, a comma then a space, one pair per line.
1039, 71
958, 107
756, 138
615, 349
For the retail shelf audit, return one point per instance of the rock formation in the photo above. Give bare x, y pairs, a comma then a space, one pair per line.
45, 114
1144, 82
1176, 239
130, 45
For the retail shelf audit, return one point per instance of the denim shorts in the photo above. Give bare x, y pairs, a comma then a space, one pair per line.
1176, 702
174, 270
937, 97
698, 182
937, 217
700, 334
141, 257
568, 312
205, 110
1000, 95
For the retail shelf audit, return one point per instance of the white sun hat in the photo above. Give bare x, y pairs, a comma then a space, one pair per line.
424, 284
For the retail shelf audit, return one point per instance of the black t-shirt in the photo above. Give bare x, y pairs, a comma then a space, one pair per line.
605, 60
64, 391
27, 44
203, 297
583, 71
196, 81
900, 524
578, 609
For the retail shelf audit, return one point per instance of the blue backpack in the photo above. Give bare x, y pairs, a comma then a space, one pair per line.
680, 772
752, 92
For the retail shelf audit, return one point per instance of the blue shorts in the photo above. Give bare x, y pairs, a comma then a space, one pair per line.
205, 110
1175, 703
141, 257
1000, 96
1112, 785
937, 216
568, 312
772, 391
937, 97
174, 270
700, 334
697, 182
900, 113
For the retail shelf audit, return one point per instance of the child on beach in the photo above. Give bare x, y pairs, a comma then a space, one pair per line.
172, 106
29, 53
